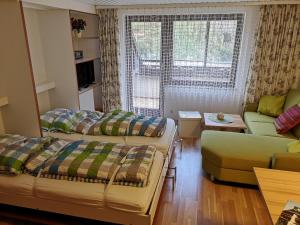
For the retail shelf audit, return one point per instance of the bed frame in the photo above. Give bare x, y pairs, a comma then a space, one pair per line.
101, 214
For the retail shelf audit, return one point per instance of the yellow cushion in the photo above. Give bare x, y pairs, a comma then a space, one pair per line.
271, 105
294, 147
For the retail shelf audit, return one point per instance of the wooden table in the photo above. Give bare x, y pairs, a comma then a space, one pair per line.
277, 187
237, 124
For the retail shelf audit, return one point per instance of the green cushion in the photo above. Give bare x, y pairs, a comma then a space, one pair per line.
271, 105
240, 151
257, 117
294, 147
266, 129
292, 98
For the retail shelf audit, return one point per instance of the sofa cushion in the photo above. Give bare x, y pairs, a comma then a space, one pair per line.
271, 105
240, 151
257, 117
287, 120
266, 129
292, 98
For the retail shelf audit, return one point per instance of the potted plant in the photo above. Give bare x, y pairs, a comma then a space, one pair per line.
78, 25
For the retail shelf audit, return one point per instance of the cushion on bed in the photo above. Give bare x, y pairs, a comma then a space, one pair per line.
48, 118
64, 123
14, 156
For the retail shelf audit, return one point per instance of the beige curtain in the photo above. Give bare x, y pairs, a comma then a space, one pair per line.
275, 66
109, 48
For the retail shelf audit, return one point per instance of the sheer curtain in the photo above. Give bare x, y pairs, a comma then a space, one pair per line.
185, 59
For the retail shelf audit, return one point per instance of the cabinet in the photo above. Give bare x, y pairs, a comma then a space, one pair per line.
189, 124
86, 100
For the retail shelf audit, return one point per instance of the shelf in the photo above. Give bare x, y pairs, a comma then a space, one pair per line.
76, 38
85, 59
40, 88
82, 90
3, 101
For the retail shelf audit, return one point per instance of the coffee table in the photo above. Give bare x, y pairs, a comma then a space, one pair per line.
237, 125
277, 187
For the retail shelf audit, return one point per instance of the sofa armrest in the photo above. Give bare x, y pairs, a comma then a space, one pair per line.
286, 161
251, 107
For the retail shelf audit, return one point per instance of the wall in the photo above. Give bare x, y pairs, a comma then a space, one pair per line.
63, 4
55, 31
37, 55
16, 80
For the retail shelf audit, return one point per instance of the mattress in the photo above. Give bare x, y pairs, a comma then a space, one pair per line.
21, 185
162, 143
124, 198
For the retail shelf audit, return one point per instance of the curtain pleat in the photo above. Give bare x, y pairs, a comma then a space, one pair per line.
275, 64
109, 51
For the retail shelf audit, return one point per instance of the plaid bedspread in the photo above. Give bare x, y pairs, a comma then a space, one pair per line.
121, 123
14, 156
97, 162
114, 123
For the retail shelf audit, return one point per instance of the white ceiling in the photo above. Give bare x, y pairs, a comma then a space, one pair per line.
139, 2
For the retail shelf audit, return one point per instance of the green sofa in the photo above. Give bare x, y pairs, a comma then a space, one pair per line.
229, 156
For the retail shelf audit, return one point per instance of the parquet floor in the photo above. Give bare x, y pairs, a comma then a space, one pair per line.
195, 201
198, 201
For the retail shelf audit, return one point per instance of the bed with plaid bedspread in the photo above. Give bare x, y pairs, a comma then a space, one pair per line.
99, 162
114, 123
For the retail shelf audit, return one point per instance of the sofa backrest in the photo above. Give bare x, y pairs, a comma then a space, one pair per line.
293, 98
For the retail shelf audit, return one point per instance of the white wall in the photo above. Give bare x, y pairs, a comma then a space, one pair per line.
62, 4
37, 55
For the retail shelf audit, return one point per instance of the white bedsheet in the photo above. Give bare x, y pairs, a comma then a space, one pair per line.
162, 143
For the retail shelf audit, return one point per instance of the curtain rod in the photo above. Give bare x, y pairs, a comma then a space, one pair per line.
204, 4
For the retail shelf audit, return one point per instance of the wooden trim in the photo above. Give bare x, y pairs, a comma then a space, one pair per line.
31, 69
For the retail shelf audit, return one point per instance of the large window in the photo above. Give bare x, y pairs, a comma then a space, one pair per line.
195, 50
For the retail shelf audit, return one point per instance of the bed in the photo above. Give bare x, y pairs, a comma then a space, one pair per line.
117, 204
87, 200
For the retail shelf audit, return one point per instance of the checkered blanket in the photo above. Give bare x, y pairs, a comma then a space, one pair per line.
121, 123
114, 123
14, 156
147, 126
37, 161
99, 161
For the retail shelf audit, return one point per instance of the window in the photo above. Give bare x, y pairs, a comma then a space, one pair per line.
195, 50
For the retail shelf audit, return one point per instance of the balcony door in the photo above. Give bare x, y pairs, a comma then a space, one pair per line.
179, 50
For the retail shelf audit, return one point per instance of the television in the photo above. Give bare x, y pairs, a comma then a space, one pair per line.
85, 74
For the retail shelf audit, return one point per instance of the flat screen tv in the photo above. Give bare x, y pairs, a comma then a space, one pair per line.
85, 74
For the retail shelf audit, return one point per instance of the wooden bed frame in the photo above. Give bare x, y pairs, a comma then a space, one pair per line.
101, 214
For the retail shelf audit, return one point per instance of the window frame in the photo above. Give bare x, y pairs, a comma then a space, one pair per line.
166, 60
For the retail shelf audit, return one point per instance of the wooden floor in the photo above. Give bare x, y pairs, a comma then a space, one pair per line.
196, 200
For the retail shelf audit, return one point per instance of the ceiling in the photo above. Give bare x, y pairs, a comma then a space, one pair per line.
139, 2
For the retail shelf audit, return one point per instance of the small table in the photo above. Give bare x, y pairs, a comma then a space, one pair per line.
277, 187
237, 124
189, 124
